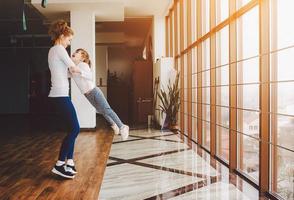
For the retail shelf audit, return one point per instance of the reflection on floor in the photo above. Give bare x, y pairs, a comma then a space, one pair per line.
150, 165
157, 165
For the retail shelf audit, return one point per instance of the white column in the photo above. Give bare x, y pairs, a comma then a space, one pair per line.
158, 37
102, 68
83, 24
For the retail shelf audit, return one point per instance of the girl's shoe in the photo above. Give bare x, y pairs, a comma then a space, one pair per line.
124, 131
115, 129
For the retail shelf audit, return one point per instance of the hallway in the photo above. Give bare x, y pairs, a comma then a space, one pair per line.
157, 165
217, 71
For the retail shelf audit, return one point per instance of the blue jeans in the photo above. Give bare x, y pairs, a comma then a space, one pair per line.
67, 111
97, 99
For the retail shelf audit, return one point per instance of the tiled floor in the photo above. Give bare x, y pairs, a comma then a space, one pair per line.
157, 165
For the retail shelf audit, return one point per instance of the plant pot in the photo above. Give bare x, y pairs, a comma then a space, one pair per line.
165, 124
173, 127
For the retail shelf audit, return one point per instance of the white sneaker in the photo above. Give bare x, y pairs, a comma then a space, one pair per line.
115, 129
124, 131
71, 169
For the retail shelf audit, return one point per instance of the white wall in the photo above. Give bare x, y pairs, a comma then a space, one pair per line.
102, 67
83, 24
163, 67
158, 37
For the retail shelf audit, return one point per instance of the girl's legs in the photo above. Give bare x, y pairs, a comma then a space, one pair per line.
97, 99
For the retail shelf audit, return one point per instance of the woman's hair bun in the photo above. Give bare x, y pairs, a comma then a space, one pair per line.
59, 28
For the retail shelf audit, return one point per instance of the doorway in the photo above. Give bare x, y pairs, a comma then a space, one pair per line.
125, 76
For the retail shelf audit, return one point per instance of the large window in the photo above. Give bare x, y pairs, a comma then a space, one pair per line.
243, 101
186, 100
222, 10
248, 93
222, 93
205, 73
194, 94
282, 98
205, 16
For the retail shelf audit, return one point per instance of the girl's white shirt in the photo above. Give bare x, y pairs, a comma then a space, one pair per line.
84, 80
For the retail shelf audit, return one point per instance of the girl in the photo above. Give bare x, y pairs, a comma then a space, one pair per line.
82, 76
59, 62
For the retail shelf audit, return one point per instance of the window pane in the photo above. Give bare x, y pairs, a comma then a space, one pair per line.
282, 172
283, 127
206, 78
206, 54
248, 122
249, 156
242, 3
185, 23
284, 60
194, 20
248, 146
248, 41
281, 12
206, 95
222, 118
206, 112
206, 134
222, 75
222, 135
194, 121
248, 96
206, 126
222, 46
194, 62
178, 28
284, 97
248, 71
205, 16
222, 10
222, 95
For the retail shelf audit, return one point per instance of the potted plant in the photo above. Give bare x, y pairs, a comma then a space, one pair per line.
170, 103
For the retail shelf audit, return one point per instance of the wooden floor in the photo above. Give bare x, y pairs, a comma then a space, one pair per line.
26, 161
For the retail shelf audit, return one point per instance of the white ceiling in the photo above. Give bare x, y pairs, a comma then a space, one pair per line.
106, 10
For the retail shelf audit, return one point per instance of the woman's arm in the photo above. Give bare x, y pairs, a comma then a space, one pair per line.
63, 55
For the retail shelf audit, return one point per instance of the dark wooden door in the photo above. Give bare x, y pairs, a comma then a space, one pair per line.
142, 91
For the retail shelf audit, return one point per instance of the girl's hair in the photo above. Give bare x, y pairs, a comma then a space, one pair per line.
85, 56
59, 28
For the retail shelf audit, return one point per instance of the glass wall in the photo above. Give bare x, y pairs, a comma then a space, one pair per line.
199, 32
205, 73
282, 98
248, 93
222, 93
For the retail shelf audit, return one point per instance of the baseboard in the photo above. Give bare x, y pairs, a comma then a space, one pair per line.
88, 129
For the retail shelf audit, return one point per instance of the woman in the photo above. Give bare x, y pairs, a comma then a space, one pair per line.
59, 62
83, 77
